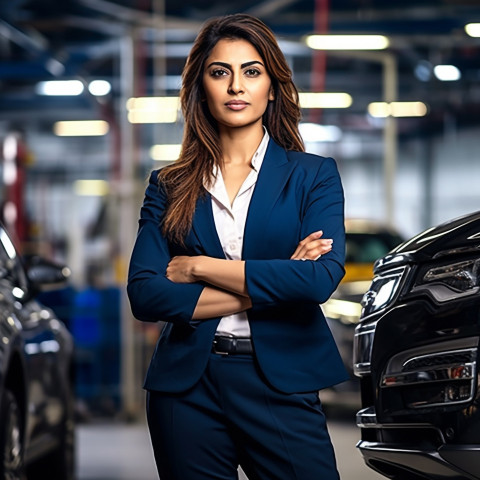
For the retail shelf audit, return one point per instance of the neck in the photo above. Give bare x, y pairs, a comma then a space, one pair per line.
239, 145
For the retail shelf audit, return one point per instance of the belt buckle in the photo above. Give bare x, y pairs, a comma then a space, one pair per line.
214, 345
217, 352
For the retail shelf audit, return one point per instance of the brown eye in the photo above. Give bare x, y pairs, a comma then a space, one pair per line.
252, 72
218, 72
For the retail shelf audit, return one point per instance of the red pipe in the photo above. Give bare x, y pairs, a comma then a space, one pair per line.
319, 60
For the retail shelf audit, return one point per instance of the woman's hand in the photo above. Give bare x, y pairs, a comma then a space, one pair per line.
182, 269
312, 247
213, 302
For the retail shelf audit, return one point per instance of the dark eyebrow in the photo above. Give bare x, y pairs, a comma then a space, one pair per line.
243, 65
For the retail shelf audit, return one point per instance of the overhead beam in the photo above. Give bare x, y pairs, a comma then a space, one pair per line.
36, 43
270, 7
139, 18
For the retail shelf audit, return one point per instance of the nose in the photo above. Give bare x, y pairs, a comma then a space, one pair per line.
236, 84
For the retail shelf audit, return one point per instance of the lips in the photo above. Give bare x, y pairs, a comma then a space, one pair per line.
236, 104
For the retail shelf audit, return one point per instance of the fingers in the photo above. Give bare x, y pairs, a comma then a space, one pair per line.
301, 246
316, 249
179, 270
312, 247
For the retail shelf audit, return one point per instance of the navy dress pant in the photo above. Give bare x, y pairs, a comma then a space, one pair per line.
233, 417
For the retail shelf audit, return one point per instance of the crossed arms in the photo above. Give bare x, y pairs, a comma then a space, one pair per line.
226, 291
186, 288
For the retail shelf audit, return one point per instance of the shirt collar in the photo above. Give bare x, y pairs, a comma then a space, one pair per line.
259, 155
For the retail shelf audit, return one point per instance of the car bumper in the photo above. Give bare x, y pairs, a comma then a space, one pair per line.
418, 453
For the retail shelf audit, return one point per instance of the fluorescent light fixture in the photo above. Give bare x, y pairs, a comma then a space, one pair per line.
473, 29
7, 245
153, 109
93, 188
60, 88
81, 128
99, 87
313, 132
10, 147
325, 100
447, 73
397, 109
347, 42
10, 213
165, 153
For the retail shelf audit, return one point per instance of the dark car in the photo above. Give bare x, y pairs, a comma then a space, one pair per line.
366, 241
36, 401
416, 353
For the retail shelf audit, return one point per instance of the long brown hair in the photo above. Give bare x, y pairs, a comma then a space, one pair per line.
184, 180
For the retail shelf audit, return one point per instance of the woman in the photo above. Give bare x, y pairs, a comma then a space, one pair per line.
236, 372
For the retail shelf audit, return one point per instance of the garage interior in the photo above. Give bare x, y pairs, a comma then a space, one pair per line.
74, 195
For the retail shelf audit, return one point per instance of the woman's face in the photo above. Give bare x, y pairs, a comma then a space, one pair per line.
236, 84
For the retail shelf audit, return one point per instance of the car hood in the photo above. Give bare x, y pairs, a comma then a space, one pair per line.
459, 235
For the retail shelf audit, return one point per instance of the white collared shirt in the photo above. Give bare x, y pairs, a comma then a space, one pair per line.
230, 224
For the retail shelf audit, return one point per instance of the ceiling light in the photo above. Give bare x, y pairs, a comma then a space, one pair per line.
81, 128
99, 87
165, 153
10, 147
313, 132
94, 188
397, 109
447, 73
153, 109
60, 88
473, 29
7, 244
347, 42
325, 100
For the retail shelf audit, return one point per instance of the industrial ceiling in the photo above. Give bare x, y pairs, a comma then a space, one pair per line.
62, 39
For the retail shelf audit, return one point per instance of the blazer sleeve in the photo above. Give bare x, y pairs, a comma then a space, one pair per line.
270, 282
152, 295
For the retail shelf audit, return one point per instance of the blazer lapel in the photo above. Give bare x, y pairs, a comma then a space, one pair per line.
274, 173
203, 226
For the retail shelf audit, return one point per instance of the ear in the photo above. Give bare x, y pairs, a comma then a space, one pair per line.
271, 94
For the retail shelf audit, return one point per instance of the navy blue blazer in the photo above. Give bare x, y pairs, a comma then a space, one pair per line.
295, 194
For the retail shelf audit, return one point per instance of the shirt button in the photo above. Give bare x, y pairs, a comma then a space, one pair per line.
233, 247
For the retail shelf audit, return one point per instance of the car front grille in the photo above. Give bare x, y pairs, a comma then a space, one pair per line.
413, 380
452, 358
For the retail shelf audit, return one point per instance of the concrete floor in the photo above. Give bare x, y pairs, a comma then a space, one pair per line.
112, 451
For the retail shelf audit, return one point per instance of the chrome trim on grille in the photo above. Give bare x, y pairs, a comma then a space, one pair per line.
397, 362
362, 348
470, 355
367, 418
457, 372
451, 372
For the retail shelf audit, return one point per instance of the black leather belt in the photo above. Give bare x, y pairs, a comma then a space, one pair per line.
232, 345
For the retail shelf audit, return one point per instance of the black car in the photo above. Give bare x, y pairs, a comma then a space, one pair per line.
36, 395
416, 353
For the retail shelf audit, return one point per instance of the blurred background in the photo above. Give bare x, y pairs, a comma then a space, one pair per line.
88, 107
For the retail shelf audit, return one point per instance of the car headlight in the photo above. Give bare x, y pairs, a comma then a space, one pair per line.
382, 291
450, 281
